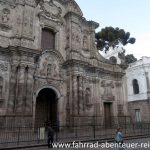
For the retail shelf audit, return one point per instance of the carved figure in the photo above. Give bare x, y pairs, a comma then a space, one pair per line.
5, 15
85, 42
88, 96
49, 70
54, 70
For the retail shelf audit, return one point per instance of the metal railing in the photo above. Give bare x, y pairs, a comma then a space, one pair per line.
25, 136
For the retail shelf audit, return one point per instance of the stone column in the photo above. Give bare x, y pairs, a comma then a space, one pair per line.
83, 93
12, 89
74, 96
68, 107
80, 96
21, 88
29, 90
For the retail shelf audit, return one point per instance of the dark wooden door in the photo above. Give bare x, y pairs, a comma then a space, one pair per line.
107, 114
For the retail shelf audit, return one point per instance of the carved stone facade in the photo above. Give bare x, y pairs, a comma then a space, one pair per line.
70, 83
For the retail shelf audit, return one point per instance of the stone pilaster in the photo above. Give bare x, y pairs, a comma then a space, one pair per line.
29, 90
21, 87
68, 107
12, 89
80, 94
74, 96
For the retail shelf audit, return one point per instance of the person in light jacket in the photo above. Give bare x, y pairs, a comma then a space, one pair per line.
119, 137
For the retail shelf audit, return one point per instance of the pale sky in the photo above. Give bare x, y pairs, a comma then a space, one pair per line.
131, 15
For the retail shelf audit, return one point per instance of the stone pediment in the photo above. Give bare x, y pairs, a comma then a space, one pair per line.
49, 9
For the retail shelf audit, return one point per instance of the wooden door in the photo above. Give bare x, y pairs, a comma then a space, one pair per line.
107, 115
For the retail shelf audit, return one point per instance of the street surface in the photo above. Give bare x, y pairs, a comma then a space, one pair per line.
135, 144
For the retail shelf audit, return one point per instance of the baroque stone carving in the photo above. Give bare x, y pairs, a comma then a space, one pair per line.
88, 97
50, 9
49, 67
28, 24
73, 7
85, 42
76, 37
107, 95
3, 67
5, 19
5, 15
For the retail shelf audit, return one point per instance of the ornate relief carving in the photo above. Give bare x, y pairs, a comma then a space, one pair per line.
76, 37
3, 67
5, 15
17, 28
85, 42
28, 23
88, 95
11, 3
107, 95
73, 7
50, 10
49, 66
30, 2
5, 19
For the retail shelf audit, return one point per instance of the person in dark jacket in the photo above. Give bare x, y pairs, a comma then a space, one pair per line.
50, 136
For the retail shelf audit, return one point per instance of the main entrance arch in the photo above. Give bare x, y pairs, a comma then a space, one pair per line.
46, 109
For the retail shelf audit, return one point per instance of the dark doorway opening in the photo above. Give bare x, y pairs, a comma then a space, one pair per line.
107, 115
46, 107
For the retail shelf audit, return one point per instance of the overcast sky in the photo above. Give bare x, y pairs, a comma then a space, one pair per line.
131, 15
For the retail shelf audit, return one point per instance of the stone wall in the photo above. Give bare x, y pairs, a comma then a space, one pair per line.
143, 106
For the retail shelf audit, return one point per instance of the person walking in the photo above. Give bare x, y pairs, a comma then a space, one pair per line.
50, 136
119, 138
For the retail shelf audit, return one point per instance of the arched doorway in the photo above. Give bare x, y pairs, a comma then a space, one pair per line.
46, 107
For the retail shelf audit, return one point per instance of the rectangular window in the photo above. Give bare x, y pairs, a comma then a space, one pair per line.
48, 39
137, 115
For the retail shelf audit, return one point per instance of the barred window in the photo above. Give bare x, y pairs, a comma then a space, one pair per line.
137, 115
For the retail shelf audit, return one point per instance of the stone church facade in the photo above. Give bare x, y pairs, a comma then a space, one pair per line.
50, 69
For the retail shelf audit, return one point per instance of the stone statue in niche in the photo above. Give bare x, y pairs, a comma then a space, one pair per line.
54, 71
85, 44
5, 15
88, 97
49, 70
